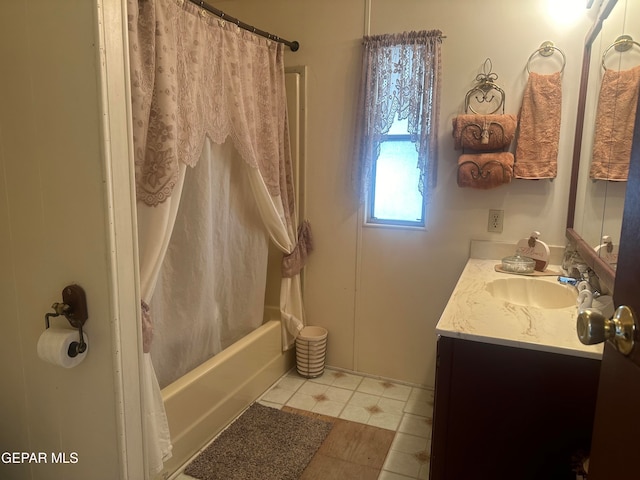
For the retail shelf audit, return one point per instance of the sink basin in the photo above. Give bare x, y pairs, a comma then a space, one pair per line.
530, 292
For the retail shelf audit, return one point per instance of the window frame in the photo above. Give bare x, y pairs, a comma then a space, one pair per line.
371, 219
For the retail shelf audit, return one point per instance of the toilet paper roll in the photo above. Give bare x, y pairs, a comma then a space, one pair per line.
54, 343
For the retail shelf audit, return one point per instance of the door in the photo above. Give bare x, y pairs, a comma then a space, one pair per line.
616, 443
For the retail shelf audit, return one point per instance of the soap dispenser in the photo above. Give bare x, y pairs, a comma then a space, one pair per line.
536, 249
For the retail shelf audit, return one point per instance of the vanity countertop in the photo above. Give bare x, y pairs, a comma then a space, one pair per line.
472, 313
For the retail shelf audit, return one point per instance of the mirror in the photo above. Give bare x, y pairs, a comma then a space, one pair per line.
597, 195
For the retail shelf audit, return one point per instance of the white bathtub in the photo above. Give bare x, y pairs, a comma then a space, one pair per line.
202, 402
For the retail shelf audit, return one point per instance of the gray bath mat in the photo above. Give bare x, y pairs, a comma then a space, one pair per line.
264, 443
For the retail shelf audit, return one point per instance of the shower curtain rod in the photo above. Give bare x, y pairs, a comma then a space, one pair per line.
294, 46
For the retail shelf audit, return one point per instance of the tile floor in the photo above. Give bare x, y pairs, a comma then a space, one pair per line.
405, 409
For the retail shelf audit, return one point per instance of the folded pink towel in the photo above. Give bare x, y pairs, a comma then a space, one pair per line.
485, 170
615, 120
539, 127
483, 132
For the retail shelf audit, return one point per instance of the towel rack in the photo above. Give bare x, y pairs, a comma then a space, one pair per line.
622, 44
486, 91
547, 49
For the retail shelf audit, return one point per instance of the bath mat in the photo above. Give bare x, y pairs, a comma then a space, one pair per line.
264, 443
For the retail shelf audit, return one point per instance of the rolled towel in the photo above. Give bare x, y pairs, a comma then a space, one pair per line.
615, 119
484, 132
539, 127
485, 170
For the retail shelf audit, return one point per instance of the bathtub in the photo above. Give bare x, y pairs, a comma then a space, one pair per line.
202, 402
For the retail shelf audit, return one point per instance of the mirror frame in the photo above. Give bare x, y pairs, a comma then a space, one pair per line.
603, 270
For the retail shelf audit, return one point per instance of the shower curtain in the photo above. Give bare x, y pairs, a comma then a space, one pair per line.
195, 76
210, 290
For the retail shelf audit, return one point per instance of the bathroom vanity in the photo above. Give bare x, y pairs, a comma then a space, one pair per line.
515, 389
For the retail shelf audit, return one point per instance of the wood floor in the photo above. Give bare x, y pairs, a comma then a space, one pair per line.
351, 450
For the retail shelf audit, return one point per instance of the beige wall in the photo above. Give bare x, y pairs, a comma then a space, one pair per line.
56, 227
380, 291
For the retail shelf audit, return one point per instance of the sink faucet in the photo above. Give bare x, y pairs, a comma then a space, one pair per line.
581, 276
591, 280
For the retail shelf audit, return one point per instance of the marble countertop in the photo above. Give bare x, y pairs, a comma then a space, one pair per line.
472, 313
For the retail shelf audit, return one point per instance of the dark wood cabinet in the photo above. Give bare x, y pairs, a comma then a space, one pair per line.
510, 413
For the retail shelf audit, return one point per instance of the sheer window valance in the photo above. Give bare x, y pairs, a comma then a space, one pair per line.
400, 79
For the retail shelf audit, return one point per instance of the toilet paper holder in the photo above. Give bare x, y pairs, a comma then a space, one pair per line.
74, 309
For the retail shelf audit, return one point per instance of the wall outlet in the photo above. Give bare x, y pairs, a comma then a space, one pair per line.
495, 221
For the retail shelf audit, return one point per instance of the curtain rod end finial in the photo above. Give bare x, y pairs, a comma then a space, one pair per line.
294, 46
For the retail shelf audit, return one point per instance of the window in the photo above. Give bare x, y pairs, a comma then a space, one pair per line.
397, 126
394, 197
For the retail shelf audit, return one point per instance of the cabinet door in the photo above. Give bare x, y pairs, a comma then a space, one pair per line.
505, 413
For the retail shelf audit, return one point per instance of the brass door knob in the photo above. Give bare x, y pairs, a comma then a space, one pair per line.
593, 327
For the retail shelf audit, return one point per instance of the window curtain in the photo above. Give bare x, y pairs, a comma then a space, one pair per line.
193, 75
400, 79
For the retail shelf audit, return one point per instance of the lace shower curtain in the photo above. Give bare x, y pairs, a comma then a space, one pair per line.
193, 76
400, 78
